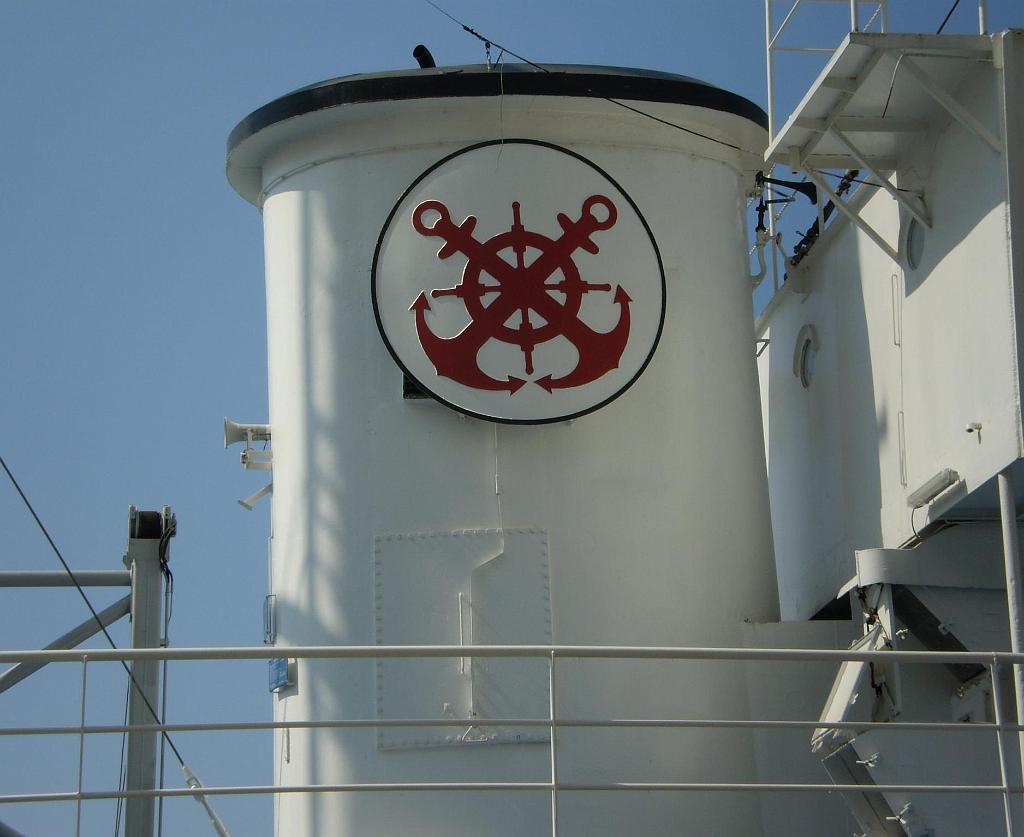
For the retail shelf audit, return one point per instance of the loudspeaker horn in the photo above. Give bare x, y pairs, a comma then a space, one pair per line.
236, 432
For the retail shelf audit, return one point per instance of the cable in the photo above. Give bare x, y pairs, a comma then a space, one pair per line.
489, 42
856, 180
949, 14
670, 124
88, 604
892, 84
871, 19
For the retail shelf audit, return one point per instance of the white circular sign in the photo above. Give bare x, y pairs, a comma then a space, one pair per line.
516, 281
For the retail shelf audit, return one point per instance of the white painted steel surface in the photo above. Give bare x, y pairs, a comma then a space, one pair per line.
654, 507
911, 359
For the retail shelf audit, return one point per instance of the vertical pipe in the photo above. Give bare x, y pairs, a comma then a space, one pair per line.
462, 637
770, 77
1004, 775
163, 742
853, 15
1014, 597
140, 773
554, 755
982, 17
885, 15
81, 747
769, 51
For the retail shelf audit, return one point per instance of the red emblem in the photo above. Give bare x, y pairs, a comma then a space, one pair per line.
550, 286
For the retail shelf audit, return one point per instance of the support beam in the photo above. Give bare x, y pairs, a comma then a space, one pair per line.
952, 106
72, 639
863, 225
865, 125
784, 24
883, 182
143, 559
58, 578
842, 100
846, 85
847, 161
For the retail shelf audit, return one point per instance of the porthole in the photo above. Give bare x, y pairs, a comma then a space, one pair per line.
913, 243
805, 354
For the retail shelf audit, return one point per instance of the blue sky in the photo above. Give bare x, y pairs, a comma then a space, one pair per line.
132, 316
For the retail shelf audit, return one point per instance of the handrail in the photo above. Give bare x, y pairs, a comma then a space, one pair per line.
555, 784
370, 787
567, 723
608, 652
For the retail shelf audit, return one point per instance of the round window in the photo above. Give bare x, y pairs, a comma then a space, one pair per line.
913, 246
805, 355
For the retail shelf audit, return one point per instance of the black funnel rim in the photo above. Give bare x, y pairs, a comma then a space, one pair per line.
509, 80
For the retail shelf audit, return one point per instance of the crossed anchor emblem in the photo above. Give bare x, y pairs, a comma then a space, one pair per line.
494, 290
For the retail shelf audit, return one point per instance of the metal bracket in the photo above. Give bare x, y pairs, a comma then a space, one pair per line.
73, 638
951, 105
852, 215
920, 212
257, 460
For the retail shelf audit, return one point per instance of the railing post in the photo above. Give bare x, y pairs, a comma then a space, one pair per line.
145, 540
1004, 776
81, 746
552, 714
1014, 588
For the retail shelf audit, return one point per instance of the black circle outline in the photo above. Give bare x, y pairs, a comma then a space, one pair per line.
496, 419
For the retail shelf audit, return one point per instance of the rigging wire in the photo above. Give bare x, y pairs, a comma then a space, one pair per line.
857, 180
88, 604
489, 42
896, 69
949, 14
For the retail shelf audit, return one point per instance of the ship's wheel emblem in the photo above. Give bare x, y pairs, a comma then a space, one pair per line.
517, 282
519, 303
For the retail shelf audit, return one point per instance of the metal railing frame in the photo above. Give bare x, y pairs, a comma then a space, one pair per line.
878, 9
993, 661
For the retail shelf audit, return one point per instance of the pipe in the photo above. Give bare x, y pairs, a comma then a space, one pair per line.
568, 723
141, 750
1014, 596
577, 652
75, 637
397, 787
423, 57
59, 578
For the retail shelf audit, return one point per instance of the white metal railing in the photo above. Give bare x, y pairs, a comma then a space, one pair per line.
993, 661
875, 13
782, 18
879, 10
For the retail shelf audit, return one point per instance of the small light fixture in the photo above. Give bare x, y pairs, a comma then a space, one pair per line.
932, 488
